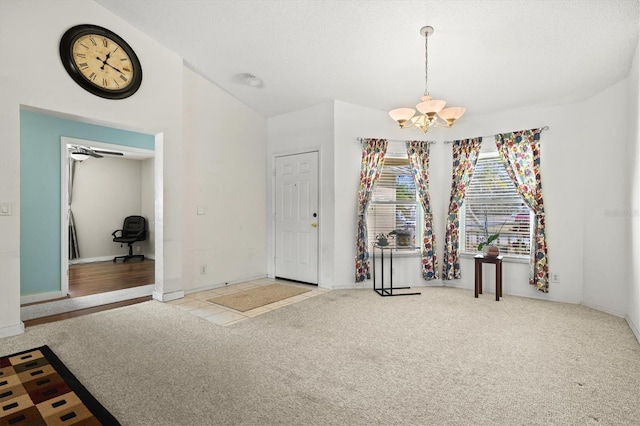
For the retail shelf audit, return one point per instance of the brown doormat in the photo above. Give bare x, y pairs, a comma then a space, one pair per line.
254, 298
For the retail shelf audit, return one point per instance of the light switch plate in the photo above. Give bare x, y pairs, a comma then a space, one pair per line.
202, 210
5, 209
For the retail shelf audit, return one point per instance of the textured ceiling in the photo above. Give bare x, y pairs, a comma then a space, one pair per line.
487, 56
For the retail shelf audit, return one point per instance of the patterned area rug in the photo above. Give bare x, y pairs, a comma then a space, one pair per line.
37, 389
254, 298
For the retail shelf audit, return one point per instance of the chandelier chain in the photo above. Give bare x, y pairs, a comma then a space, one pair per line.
426, 64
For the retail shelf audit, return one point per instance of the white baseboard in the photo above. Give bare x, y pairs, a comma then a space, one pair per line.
603, 309
12, 330
83, 302
633, 327
222, 284
104, 259
40, 297
168, 297
91, 260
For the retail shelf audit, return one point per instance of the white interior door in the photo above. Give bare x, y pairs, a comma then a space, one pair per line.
296, 220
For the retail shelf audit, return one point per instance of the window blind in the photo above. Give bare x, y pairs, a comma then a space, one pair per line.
492, 205
393, 202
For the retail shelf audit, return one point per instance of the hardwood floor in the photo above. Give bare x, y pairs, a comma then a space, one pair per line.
100, 277
86, 311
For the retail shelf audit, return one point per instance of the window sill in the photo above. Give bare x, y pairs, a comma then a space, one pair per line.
506, 258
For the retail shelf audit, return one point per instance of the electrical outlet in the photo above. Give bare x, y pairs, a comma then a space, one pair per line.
555, 277
138, 248
203, 269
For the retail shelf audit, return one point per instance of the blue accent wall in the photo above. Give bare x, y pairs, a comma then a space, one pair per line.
40, 175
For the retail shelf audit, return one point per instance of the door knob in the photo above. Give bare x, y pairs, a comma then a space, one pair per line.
314, 225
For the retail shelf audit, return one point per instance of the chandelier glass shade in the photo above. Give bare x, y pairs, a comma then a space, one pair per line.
430, 112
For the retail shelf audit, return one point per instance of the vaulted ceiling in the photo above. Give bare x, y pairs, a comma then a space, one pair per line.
487, 56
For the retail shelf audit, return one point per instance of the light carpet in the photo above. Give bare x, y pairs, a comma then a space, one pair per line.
351, 357
255, 297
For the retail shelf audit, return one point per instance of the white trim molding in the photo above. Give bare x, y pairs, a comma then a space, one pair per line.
603, 309
633, 327
168, 297
12, 330
224, 284
83, 302
41, 297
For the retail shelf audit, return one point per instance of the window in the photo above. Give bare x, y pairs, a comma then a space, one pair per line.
492, 203
393, 203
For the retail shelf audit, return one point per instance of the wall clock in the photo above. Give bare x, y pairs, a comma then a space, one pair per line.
100, 61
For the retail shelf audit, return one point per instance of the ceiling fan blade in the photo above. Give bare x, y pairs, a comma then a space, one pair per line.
120, 154
85, 151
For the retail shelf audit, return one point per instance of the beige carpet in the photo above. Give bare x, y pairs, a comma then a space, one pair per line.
351, 357
254, 298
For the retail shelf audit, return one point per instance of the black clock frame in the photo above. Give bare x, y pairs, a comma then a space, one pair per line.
66, 55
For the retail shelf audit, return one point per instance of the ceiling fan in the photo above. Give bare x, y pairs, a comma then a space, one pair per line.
80, 153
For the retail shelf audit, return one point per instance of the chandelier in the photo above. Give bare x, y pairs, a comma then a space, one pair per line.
431, 112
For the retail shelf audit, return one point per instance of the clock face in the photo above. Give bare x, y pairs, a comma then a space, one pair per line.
100, 61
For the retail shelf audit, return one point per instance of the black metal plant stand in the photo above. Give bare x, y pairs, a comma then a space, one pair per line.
382, 290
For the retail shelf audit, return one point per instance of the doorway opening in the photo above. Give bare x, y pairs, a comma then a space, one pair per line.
101, 185
43, 235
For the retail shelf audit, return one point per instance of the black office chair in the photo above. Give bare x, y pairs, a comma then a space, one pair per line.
134, 229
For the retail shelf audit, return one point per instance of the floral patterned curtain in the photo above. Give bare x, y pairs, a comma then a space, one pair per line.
520, 152
465, 156
418, 153
373, 151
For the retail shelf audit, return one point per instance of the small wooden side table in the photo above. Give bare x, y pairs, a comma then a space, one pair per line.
480, 259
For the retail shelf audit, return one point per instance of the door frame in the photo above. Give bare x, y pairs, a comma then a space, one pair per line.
64, 196
290, 153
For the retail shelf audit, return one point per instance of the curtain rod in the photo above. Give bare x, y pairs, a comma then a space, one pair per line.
395, 140
488, 136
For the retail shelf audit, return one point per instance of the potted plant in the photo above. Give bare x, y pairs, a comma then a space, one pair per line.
382, 239
488, 247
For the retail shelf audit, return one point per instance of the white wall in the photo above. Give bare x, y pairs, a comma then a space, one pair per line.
559, 163
225, 174
633, 218
575, 211
562, 159
105, 191
155, 109
605, 182
309, 129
